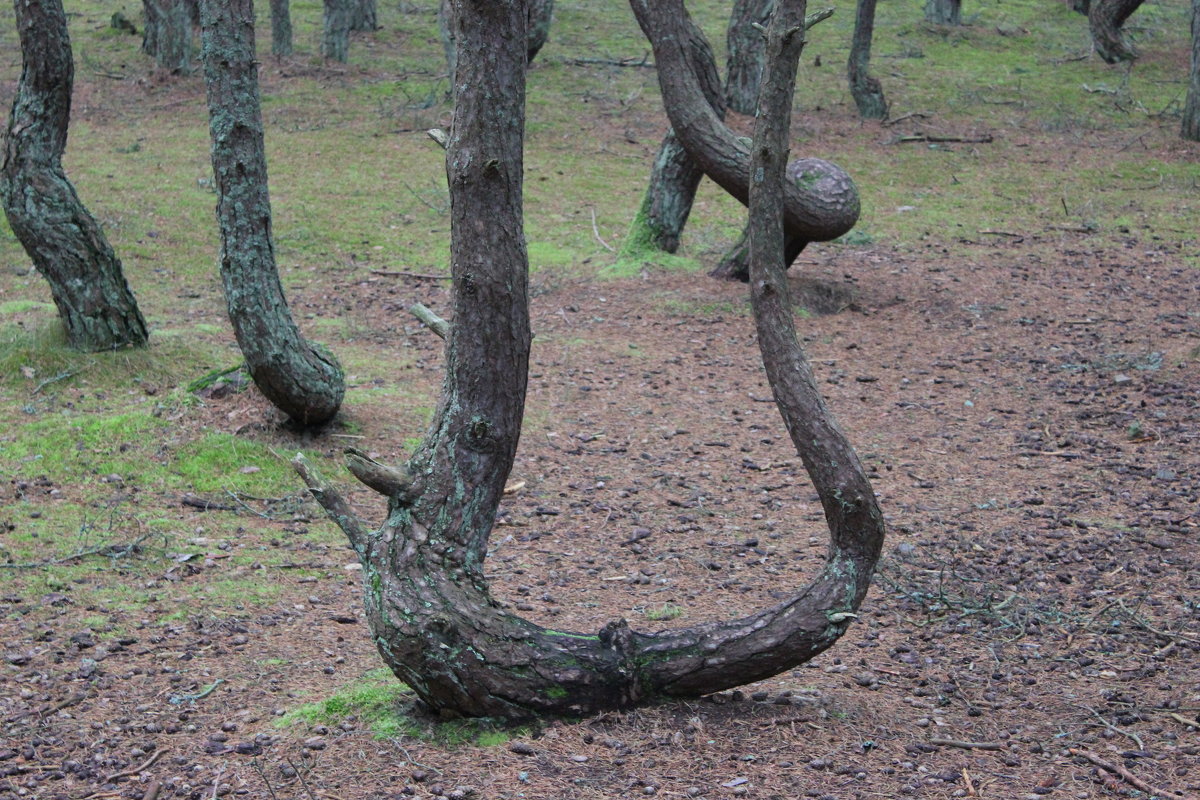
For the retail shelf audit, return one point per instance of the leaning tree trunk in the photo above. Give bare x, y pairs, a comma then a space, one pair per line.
540, 16
168, 34
281, 28
1106, 18
302, 380
675, 177
363, 15
1191, 108
943, 12
428, 605
335, 31
66, 245
745, 53
867, 91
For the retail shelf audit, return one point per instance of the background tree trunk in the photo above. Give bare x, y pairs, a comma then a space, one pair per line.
745, 53
1191, 108
1106, 18
1081, 6
943, 12
302, 380
363, 15
335, 31
445, 21
866, 90
63, 240
168, 34
541, 15
281, 28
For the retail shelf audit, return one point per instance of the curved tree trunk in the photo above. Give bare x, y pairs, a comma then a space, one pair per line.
1191, 108
335, 30
866, 90
62, 239
168, 34
1106, 18
302, 380
675, 177
745, 53
281, 28
427, 601
943, 12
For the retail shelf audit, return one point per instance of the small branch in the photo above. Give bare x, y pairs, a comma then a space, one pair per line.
200, 504
439, 136
331, 500
431, 320
935, 139
1117, 769
817, 16
110, 550
599, 238
145, 765
389, 481
967, 745
644, 61
912, 115
387, 273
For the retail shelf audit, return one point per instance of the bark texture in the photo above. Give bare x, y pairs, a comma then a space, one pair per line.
745, 53
364, 15
62, 239
540, 15
1191, 107
943, 12
281, 28
302, 380
168, 34
335, 30
428, 604
1105, 17
866, 90
675, 176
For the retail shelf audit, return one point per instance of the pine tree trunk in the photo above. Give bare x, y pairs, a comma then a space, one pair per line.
302, 380
168, 34
866, 90
62, 239
335, 32
1106, 18
746, 53
943, 12
363, 15
1191, 110
281, 28
541, 14
445, 22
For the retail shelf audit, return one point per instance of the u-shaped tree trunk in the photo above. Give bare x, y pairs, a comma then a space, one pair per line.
62, 239
300, 378
428, 605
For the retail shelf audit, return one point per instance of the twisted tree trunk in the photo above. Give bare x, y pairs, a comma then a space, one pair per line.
867, 91
1106, 18
428, 604
63, 240
745, 53
301, 379
1190, 128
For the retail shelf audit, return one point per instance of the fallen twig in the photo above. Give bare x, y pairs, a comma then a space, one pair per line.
967, 745
390, 273
1119, 770
110, 550
936, 139
644, 61
599, 238
201, 504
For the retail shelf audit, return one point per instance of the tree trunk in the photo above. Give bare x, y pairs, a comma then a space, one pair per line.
281, 28
540, 16
428, 604
943, 12
302, 380
1106, 18
62, 239
1191, 108
746, 53
445, 22
363, 15
168, 34
735, 264
675, 177
335, 33
1081, 6
866, 90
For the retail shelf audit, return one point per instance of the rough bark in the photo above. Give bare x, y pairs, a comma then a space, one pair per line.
943, 12
675, 177
62, 239
302, 380
540, 16
745, 53
281, 28
335, 31
866, 90
735, 264
428, 605
1191, 108
1105, 17
364, 15
821, 203
168, 34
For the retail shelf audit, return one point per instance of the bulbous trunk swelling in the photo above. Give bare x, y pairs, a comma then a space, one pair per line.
1106, 18
866, 90
1191, 109
62, 239
302, 380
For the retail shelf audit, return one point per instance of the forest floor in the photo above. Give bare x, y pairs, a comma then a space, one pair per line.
177, 618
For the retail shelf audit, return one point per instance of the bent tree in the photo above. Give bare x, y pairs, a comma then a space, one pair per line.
62, 239
427, 600
300, 378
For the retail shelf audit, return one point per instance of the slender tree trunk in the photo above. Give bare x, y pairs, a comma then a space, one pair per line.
1106, 18
335, 33
168, 34
428, 605
1081, 6
445, 22
1191, 109
745, 53
541, 15
281, 28
866, 90
675, 177
943, 12
302, 380
62, 239
363, 15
